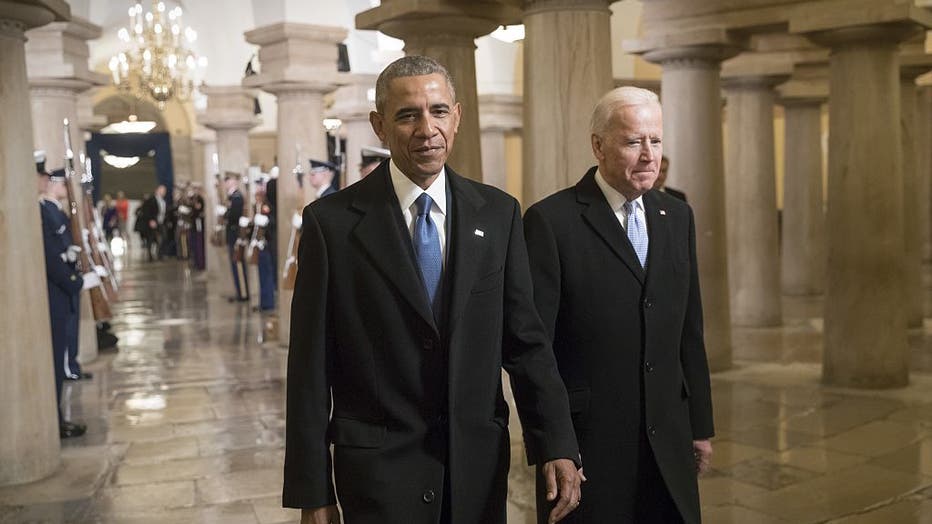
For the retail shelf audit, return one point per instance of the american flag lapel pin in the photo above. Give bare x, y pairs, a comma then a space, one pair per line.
479, 233
663, 212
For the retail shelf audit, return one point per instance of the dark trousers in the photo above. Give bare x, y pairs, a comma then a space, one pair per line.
240, 275
266, 280
59, 349
73, 330
196, 246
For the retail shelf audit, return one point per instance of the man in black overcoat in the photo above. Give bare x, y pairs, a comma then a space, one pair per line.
616, 284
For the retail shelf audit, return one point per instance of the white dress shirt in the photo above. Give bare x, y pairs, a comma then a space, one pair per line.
407, 192
616, 201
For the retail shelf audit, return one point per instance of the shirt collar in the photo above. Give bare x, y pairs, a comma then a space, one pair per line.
407, 191
615, 199
320, 191
52, 200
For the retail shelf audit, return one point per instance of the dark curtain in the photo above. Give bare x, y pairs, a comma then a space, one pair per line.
134, 144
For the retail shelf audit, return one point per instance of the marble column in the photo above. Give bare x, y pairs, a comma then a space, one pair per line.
57, 64
230, 114
351, 104
909, 126
298, 67
924, 148
803, 250
567, 69
692, 121
499, 114
29, 445
750, 198
430, 28
865, 311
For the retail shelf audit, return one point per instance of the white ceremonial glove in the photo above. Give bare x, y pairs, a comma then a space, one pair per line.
261, 220
72, 253
220, 210
101, 271
296, 221
91, 280
243, 221
184, 210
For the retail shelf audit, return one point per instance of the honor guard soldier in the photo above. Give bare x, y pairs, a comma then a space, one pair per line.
371, 158
321, 177
64, 281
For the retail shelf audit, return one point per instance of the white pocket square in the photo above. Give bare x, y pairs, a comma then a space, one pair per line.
479, 233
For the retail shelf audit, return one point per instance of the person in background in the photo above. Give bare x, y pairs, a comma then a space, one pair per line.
371, 158
661, 183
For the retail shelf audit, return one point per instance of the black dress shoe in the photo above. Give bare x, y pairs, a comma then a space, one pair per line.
71, 429
84, 375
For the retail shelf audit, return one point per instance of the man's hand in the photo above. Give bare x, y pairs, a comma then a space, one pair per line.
702, 452
563, 481
323, 515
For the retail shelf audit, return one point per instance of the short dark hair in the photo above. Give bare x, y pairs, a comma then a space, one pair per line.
413, 65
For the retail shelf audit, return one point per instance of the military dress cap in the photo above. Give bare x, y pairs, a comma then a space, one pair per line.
39, 157
317, 165
374, 154
58, 175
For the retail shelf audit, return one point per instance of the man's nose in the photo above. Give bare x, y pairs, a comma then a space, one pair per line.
647, 151
425, 127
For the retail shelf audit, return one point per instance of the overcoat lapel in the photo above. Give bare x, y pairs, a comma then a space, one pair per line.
599, 216
658, 230
381, 234
465, 243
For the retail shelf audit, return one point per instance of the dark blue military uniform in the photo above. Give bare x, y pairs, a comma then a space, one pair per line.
64, 285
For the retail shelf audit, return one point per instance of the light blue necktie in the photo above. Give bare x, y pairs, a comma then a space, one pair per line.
427, 247
637, 232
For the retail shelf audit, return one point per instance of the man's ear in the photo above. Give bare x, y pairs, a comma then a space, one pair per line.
457, 113
378, 124
597, 147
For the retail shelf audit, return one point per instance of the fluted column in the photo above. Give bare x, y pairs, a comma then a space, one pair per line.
498, 114
803, 250
692, 122
567, 69
432, 29
29, 444
750, 197
299, 68
230, 114
56, 60
909, 125
865, 310
351, 104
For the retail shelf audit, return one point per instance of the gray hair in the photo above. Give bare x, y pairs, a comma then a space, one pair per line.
414, 65
615, 100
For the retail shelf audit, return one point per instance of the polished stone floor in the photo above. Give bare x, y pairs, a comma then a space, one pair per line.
186, 425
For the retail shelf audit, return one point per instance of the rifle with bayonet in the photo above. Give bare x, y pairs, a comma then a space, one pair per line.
99, 304
100, 253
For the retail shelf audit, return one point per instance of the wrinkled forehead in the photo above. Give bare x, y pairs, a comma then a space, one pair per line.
641, 118
407, 88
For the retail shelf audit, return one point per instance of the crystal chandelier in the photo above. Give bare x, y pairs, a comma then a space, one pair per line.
157, 63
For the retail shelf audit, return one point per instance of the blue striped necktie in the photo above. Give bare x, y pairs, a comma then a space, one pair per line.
637, 232
427, 247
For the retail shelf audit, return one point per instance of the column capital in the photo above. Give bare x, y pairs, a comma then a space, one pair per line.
757, 70
292, 52
914, 61
229, 107
864, 22
706, 47
406, 18
59, 51
753, 81
532, 7
17, 16
351, 101
501, 112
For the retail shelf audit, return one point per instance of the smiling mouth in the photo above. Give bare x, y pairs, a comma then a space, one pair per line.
427, 150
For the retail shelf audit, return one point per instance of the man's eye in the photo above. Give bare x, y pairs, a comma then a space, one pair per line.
634, 143
655, 141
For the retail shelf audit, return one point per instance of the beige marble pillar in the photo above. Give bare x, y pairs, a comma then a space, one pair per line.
29, 444
865, 310
750, 198
909, 126
57, 63
299, 68
499, 114
803, 250
924, 148
230, 114
352, 104
692, 121
433, 29
567, 69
